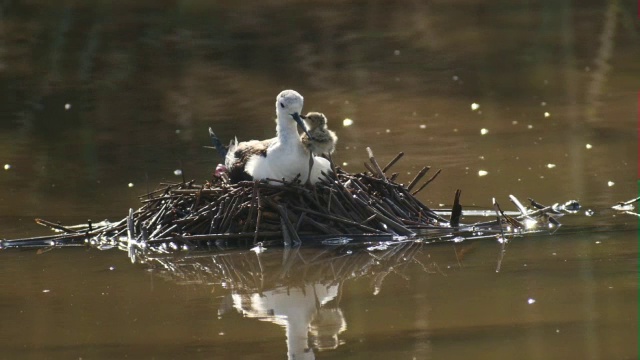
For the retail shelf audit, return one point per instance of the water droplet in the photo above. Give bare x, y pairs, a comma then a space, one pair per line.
475, 106
347, 122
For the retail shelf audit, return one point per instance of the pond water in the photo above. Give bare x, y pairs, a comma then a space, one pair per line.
536, 99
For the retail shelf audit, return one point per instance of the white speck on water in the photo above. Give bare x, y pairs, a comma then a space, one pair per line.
46, 290
396, 52
482, 173
67, 106
610, 183
589, 212
475, 106
112, 268
178, 131
484, 131
551, 166
514, 122
177, 172
455, 78
221, 333
587, 69
546, 114
387, 131
455, 130
481, 157
554, 254
557, 331
423, 126
347, 122
543, 104
345, 164
588, 146
7, 166
531, 301
598, 242
529, 126
130, 185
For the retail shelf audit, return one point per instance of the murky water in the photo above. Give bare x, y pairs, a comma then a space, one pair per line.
99, 97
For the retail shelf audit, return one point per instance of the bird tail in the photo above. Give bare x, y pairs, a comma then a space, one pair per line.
221, 149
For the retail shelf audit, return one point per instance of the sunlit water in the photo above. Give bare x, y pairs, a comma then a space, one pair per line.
102, 102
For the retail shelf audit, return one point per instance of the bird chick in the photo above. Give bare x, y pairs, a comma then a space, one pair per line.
322, 140
319, 140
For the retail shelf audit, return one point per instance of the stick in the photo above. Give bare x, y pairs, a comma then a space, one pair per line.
375, 164
428, 182
419, 176
392, 162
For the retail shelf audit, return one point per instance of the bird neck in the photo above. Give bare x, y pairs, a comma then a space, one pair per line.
287, 130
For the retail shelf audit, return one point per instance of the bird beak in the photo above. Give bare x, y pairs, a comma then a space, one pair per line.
298, 119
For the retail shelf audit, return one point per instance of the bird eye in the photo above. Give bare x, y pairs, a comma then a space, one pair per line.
282, 105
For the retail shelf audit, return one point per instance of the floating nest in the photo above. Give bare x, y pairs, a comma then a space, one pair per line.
340, 208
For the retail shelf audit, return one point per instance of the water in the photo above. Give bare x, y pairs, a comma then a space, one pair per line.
102, 102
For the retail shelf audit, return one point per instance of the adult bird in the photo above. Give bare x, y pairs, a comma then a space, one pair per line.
281, 158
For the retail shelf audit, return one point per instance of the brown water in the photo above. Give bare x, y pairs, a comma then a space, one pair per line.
97, 97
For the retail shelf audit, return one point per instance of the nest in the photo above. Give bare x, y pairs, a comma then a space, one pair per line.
340, 208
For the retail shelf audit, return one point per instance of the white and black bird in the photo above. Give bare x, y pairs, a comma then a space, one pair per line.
280, 158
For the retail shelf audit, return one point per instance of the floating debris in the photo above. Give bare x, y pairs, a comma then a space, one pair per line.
588, 146
7, 166
347, 122
551, 166
483, 173
546, 114
610, 183
475, 106
484, 131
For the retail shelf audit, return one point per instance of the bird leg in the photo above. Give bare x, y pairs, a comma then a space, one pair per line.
310, 167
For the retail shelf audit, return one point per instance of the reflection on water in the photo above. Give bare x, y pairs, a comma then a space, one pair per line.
299, 289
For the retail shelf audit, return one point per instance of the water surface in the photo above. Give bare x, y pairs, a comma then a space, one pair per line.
98, 97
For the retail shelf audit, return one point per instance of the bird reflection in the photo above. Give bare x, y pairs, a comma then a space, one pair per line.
298, 289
